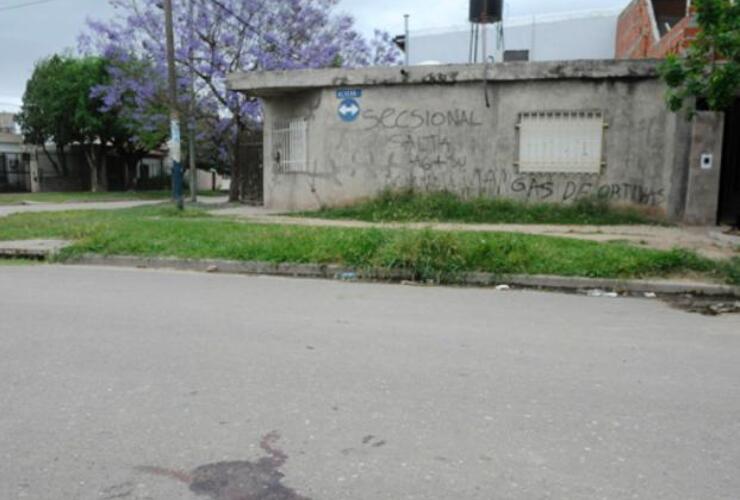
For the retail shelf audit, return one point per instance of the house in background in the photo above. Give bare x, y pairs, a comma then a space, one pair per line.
654, 29
14, 160
30, 168
542, 37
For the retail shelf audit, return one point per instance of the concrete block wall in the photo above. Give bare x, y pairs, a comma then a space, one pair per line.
434, 137
429, 128
705, 160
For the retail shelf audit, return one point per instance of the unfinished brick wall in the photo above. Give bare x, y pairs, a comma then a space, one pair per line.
676, 40
637, 35
634, 31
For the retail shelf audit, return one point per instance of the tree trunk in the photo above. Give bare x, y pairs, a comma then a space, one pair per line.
103, 162
62, 155
92, 165
129, 164
98, 169
51, 160
236, 181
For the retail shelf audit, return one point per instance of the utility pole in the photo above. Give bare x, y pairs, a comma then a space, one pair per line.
191, 113
407, 40
174, 143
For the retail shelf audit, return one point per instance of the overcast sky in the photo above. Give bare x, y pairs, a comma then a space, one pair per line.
43, 27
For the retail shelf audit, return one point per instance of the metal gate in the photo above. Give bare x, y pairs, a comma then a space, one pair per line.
729, 199
252, 170
15, 173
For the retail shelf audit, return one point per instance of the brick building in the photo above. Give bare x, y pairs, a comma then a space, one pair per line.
654, 29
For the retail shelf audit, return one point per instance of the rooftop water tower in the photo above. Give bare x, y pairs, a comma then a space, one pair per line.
483, 12
486, 11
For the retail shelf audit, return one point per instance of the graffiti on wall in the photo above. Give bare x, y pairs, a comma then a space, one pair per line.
443, 149
392, 118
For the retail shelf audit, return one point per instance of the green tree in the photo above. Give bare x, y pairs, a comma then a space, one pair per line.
710, 69
64, 104
44, 116
135, 94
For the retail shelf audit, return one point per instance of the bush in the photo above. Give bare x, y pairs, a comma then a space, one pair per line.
409, 206
427, 254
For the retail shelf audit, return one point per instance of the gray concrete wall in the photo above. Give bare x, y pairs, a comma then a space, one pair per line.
702, 200
462, 146
50, 180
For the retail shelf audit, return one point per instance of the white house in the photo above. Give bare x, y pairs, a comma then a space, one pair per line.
547, 37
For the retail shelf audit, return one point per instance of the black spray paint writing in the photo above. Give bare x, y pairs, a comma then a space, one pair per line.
391, 118
534, 188
425, 152
635, 193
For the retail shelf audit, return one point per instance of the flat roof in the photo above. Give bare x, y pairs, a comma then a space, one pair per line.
518, 21
11, 138
270, 83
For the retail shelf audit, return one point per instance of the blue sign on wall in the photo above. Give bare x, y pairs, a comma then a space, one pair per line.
349, 110
349, 93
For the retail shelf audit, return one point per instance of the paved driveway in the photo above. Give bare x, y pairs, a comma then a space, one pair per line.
126, 384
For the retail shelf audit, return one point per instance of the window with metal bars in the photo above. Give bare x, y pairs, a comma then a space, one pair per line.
567, 142
289, 146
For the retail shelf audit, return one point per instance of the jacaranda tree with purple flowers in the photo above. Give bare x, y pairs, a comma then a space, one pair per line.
215, 38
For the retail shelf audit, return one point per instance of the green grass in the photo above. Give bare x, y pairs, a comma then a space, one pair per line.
19, 262
215, 194
81, 196
163, 231
407, 206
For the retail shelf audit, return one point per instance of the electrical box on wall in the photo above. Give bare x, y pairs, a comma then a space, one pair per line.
707, 161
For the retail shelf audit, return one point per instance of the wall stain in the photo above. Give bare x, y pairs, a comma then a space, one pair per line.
238, 480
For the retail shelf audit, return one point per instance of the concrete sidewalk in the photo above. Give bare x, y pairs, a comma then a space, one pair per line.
707, 241
6, 210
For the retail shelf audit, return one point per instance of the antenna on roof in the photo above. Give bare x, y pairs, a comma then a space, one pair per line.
407, 40
482, 13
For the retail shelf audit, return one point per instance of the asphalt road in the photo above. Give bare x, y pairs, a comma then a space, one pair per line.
126, 384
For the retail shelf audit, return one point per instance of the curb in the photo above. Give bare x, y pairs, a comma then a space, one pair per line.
38, 249
331, 271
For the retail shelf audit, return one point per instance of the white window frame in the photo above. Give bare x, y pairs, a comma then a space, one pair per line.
569, 142
289, 144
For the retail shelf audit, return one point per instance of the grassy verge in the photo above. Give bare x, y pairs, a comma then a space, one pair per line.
162, 231
407, 206
19, 262
81, 196
214, 194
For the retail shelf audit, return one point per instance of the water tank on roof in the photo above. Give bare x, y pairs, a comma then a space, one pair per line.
486, 11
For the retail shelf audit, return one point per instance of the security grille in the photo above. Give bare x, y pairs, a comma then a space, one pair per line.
15, 172
569, 142
289, 149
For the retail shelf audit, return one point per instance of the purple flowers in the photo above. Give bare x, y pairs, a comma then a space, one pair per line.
215, 38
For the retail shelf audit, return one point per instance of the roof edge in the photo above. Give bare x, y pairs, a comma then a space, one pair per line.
281, 82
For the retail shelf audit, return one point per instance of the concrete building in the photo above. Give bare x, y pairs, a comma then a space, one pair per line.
30, 168
544, 37
7, 123
27, 168
14, 161
654, 29
553, 132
